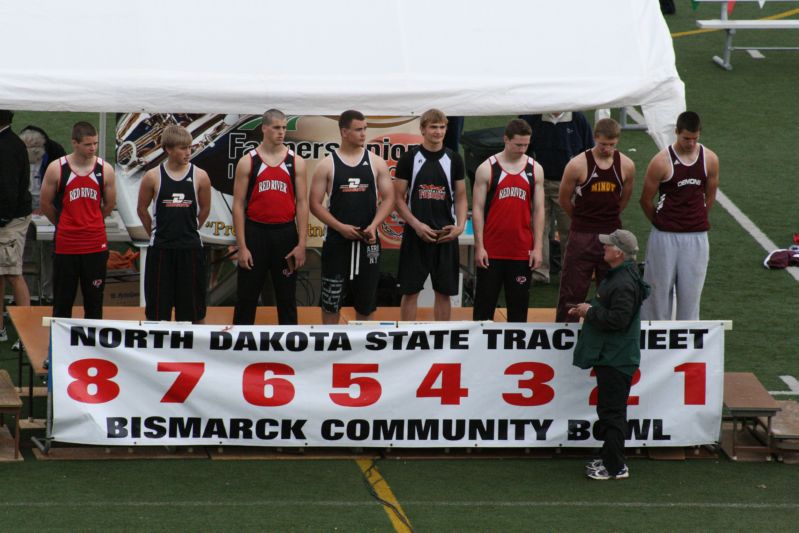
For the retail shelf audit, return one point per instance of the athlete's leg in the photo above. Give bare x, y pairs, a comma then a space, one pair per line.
486, 294
284, 281
578, 268
660, 272
251, 281
691, 270
408, 306
92, 283
517, 289
66, 273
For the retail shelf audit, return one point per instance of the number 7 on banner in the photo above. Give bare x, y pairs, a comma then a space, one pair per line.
189, 375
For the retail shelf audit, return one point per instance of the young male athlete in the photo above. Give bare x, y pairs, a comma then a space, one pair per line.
431, 199
595, 189
180, 194
360, 197
686, 177
78, 192
270, 215
508, 218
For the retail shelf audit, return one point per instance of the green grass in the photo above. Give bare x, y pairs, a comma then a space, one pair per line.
751, 119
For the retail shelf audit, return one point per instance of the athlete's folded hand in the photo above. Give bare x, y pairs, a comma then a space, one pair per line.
426, 233
450, 233
350, 232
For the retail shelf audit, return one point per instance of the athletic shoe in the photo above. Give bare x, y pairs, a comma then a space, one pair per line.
17, 346
594, 464
3, 335
602, 474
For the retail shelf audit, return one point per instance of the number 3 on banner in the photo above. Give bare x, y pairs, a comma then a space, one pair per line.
93, 381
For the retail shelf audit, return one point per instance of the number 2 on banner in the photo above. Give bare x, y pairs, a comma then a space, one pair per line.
632, 399
189, 375
93, 381
369, 388
450, 390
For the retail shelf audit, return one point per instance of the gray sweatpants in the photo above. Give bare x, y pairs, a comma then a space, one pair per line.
676, 264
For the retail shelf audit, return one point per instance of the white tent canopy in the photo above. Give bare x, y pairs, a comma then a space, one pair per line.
319, 57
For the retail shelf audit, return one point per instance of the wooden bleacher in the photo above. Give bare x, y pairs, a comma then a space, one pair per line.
785, 431
749, 406
10, 403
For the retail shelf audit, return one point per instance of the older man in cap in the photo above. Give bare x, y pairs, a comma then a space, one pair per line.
610, 344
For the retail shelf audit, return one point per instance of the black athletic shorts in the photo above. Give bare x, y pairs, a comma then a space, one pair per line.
174, 279
350, 266
419, 259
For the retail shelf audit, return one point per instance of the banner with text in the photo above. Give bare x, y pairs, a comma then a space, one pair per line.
455, 384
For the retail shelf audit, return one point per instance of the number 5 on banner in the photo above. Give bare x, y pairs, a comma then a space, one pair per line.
189, 375
369, 388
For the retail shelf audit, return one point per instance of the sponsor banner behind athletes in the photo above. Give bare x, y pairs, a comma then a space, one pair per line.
219, 141
457, 384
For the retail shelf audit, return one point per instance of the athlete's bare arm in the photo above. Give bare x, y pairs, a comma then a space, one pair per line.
109, 189
240, 183
482, 178
322, 177
628, 178
573, 174
146, 195
712, 165
203, 196
656, 172
461, 212
536, 257
49, 189
386, 190
425, 232
301, 202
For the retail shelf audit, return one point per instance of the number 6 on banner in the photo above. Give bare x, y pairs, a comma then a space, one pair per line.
255, 383
188, 377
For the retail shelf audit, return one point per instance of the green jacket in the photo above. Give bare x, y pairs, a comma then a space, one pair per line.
612, 327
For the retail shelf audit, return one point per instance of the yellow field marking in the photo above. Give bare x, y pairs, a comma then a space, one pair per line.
784, 14
397, 516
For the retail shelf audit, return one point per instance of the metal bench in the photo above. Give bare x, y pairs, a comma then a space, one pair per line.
730, 26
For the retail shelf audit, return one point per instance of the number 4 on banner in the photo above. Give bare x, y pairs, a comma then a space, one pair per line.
450, 390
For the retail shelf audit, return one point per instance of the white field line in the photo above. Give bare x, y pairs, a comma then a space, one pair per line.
426, 503
747, 224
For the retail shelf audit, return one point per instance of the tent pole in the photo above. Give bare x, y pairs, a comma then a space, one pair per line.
101, 147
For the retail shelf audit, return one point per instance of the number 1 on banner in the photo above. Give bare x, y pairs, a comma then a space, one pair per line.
450, 390
189, 375
695, 382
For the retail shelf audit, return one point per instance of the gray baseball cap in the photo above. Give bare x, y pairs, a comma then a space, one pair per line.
621, 239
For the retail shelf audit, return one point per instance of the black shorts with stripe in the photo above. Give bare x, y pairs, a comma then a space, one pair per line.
175, 279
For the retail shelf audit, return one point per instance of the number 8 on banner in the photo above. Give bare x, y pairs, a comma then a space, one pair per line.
93, 381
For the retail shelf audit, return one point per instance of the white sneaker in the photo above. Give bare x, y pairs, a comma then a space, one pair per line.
594, 464
3, 335
603, 475
17, 346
